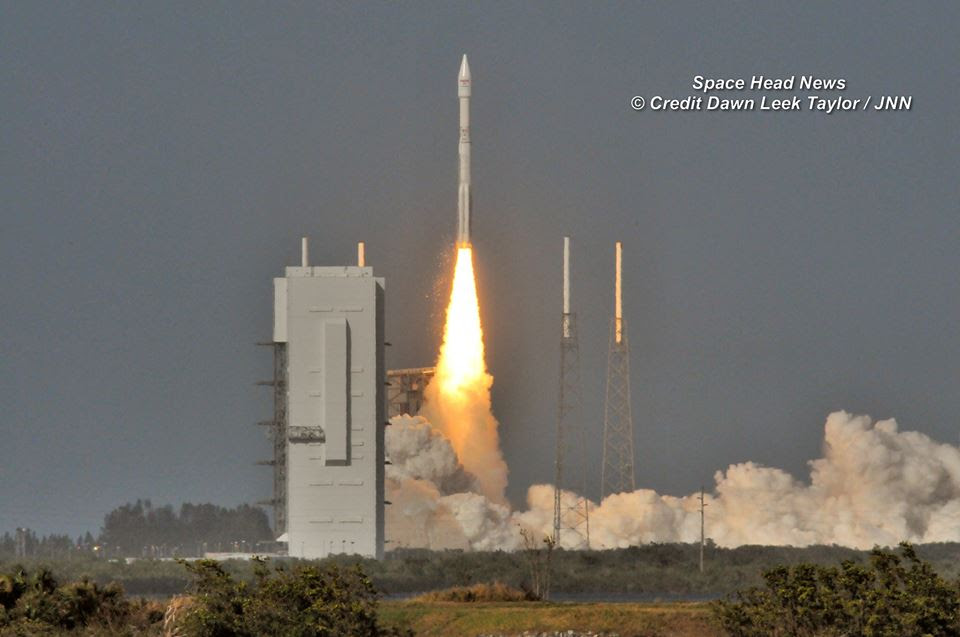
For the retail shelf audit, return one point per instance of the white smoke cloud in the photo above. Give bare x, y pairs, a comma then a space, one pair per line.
417, 451
435, 502
873, 485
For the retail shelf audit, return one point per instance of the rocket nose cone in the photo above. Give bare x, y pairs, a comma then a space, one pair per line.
464, 68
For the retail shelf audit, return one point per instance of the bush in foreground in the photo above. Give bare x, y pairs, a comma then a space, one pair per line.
895, 595
304, 601
37, 604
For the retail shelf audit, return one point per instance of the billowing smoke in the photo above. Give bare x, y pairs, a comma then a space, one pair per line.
435, 502
419, 452
873, 485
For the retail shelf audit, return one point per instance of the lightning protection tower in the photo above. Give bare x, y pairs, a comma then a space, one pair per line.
617, 472
571, 516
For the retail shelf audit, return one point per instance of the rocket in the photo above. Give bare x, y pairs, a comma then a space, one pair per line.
465, 199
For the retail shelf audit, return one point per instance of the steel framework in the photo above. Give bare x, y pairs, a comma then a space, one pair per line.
617, 475
405, 390
571, 512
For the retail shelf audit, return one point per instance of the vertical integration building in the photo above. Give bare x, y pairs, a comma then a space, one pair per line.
329, 380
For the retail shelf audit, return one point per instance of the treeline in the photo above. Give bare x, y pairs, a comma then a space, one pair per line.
26, 543
140, 529
653, 571
638, 572
143, 530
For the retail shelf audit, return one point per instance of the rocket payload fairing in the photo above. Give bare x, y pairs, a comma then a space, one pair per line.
465, 198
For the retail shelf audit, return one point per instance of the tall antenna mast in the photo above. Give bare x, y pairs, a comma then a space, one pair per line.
571, 515
617, 475
618, 297
703, 505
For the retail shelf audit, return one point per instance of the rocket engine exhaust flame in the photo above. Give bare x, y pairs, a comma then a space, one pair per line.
458, 397
461, 365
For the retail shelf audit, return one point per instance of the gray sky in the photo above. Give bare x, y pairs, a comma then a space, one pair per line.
159, 162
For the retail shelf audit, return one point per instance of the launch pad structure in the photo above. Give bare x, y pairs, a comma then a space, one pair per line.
617, 473
571, 510
405, 389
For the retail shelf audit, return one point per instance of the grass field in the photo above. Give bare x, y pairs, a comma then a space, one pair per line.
454, 619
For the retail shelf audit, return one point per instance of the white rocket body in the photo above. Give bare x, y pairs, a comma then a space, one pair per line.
465, 198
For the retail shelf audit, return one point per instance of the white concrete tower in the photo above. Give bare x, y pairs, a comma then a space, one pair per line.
331, 320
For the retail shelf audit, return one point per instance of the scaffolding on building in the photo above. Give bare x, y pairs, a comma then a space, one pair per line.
405, 389
277, 430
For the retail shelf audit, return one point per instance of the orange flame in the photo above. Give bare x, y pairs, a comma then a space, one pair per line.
458, 399
461, 363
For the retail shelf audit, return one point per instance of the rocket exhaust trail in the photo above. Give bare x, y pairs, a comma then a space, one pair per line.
465, 198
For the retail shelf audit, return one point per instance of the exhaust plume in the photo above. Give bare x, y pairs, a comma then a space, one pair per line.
458, 397
874, 485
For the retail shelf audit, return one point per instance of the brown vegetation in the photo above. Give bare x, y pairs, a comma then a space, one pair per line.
483, 592
445, 619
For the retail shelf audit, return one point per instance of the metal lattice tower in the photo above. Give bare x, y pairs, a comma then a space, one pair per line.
571, 514
617, 474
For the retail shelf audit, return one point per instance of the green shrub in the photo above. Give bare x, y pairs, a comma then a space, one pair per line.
304, 601
894, 595
39, 605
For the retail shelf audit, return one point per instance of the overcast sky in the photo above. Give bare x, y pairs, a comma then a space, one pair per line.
159, 162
